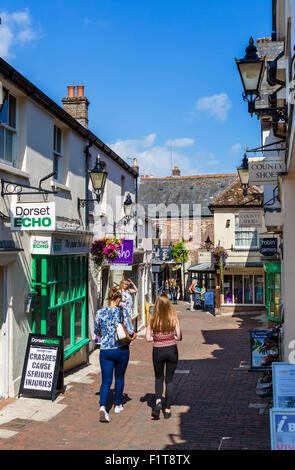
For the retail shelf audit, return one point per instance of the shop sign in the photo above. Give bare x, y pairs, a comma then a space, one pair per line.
41, 245
205, 257
264, 171
250, 219
70, 245
282, 426
268, 246
165, 254
283, 374
33, 216
125, 253
261, 356
42, 374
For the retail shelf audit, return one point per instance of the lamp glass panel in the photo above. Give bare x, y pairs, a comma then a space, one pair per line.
244, 176
251, 73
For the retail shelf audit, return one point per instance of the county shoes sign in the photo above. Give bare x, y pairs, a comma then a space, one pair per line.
33, 216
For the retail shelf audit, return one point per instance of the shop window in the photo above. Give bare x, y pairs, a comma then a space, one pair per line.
273, 295
60, 304
8, 130
247, 289
245, 238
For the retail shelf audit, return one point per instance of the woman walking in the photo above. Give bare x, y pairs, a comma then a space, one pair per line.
127, 289
164, 330
114, 356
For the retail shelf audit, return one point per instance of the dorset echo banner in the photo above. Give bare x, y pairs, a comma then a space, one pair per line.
32, 216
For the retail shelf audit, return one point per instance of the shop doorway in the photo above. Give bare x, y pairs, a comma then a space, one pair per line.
3, 334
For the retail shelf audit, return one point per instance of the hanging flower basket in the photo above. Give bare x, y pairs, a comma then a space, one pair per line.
105, 249
219, 255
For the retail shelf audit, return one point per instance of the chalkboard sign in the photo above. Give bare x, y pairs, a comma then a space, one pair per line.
43, 370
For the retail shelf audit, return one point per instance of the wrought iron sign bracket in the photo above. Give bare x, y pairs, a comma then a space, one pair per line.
9, 188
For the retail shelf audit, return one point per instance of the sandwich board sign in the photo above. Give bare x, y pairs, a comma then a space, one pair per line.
43, 371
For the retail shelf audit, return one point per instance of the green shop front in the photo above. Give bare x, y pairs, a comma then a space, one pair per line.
273, 290
60, 288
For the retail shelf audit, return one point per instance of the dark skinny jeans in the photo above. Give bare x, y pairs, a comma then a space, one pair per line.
167, 355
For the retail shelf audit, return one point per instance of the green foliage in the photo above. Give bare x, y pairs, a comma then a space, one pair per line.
179, 252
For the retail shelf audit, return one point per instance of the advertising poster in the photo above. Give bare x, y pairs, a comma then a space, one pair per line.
283, 374
262, 354
282, 425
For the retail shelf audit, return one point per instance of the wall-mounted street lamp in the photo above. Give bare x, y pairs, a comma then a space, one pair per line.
128, 207
98, 176
208, 244
243, 172
251, 69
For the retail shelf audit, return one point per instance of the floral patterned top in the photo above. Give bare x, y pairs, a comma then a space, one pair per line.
127, 301
106, 320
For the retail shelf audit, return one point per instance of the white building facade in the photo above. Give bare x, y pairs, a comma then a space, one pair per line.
47, 285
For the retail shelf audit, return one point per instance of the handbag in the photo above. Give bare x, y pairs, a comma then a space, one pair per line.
122, 333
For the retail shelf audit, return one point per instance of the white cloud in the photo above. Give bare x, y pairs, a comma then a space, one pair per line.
184, 142
235, 148
216, 105
153, 159
207, 159
16, 29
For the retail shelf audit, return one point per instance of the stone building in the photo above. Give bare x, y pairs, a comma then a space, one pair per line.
177, 207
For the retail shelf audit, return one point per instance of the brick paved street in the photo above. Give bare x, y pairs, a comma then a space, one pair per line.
213, 392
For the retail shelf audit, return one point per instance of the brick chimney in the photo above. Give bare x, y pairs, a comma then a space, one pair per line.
77, 106
135, 165
176, 171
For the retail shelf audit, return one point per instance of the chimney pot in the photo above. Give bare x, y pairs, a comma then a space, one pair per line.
71, 91
176, 171
80, 90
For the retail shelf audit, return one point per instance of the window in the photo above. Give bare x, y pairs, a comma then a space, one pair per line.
57, 153
245, 238
60, 302
8, 129
246, 289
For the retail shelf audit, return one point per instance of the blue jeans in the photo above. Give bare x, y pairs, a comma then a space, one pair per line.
110, 360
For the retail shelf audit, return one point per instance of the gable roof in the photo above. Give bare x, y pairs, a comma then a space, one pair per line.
14, 77
199, 189
233, 196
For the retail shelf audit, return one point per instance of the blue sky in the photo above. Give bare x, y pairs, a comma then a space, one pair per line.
160, 75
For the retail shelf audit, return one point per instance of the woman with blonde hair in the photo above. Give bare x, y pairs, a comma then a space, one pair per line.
114, 355
164, 330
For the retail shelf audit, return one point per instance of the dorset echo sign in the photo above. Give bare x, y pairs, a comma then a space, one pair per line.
33, 216
264, 171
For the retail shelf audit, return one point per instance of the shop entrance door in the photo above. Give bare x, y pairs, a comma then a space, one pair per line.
3, 335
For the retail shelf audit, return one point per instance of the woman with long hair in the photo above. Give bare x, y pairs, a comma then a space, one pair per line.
164, 330
127, 289
114, 356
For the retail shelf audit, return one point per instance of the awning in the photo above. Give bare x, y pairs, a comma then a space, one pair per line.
201, 267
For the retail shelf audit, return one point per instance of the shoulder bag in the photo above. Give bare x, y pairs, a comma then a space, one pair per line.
122, 333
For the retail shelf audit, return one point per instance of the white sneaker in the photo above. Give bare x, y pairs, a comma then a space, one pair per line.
119, 408
103, 415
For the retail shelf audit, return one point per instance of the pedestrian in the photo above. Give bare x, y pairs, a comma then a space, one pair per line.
164, 330
114, 355
197, 297
203, 292
174, 291
192, 292
127, 289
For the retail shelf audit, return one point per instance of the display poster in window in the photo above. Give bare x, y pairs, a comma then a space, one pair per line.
262, 350
43, 369
282, 428
283, 379
32, 216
